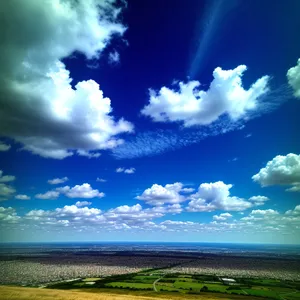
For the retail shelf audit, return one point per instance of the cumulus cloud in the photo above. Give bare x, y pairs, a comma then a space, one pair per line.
293, 76
193, 106
259, 200
6, 191
82, 203
135, 218
126, 171
4, 147
222, 217
158, 195
6, 178
88, 154
39, 107
294, 188
281, 170
22, 197
100, 179
50, 195
129, 171
8, 215
80, 191
213, 196
264, 212
58, 180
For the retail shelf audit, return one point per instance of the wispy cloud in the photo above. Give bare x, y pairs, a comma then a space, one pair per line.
156, 142
114, 58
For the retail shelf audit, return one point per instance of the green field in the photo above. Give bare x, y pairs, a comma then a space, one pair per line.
158, 283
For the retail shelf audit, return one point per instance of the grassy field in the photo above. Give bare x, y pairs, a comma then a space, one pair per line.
25, 293
187, 285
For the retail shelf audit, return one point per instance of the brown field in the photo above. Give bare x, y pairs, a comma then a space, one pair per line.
24, 293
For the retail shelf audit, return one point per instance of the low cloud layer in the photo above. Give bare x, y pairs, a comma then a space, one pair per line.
80, 218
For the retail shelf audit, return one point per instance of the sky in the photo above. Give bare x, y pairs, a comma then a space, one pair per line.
150, 121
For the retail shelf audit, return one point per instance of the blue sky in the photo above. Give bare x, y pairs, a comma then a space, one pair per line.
179, 124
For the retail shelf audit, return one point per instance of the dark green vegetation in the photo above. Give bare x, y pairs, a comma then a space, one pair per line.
157, 280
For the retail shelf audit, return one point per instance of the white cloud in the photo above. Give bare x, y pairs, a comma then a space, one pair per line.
295, 211
82, 203
129, 171
6, 191
193, 106
73, 210
50, 195
158, 195
45, 114
58, 180
222, 217
125, 209
264, 212
6, 178
293, 76
22, 197
281, 170
187, 190
258, 200
4, 147
100, 179
8, 215
213, 196
80, 191
114, 57
295, 188
159, 141
126, 171
88, 154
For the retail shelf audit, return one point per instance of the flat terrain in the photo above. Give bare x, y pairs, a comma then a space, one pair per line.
92, 274
158, 282
21, 293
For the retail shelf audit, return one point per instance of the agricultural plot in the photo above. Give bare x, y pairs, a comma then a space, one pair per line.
192, 284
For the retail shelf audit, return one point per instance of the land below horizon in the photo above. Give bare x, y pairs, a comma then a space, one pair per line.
113, 271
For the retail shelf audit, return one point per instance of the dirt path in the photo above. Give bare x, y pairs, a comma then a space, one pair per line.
156, 281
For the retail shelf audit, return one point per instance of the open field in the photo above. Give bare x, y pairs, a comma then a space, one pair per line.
193, 284
21, 293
